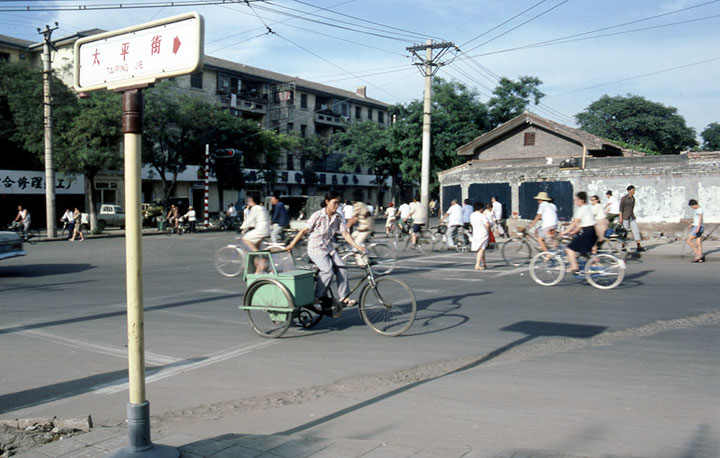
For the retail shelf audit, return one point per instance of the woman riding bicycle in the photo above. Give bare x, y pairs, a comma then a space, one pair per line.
321, 228
583, 224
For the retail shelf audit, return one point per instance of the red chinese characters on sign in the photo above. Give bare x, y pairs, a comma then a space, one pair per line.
155, 45
125, 50
96, 57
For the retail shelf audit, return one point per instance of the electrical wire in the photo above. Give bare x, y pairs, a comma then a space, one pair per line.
117, 6
503, 23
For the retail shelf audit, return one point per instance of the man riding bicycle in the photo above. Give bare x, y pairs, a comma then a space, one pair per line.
547, 215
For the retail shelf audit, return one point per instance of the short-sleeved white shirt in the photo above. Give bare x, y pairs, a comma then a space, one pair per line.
497, 210
404, 211
614, 205
455, 215
696, 216
348, 212
419, 213
598, 211
585, 215
548, 213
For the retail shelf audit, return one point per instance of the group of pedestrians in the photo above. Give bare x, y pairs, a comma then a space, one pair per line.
458, 216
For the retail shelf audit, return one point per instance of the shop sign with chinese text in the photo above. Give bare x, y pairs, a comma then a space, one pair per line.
140, 54
32, 182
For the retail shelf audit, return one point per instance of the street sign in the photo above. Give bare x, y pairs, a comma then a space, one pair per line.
140, 54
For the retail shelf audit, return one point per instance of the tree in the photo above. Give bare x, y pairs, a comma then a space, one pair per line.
511, 98
637, 121
94, 141
309, 151
711, 137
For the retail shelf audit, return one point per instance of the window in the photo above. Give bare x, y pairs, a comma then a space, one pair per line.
358, 113
370, 114
344, 109
303, 130
529, 139
381, 117
196, 80
4, 56
303, 101
290, 126
290, 161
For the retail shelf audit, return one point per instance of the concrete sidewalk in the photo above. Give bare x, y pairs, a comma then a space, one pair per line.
102, 441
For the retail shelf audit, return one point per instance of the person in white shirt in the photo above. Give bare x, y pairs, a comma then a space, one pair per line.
348, 212
23, 219
371, 208
480, 235
404, 211
547, 215
69, 221
467, 211
256, 223
454, 217
601, 222
583, 225
612, 207
390, 215
498, 216
696, 231
419, 215
191, 218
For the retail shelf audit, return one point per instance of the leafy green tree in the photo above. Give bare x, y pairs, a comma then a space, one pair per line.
94, 142
511, 98
638, 121
366, 144
711, 137
309, 151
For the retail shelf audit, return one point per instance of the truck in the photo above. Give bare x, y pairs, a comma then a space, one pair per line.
110, 215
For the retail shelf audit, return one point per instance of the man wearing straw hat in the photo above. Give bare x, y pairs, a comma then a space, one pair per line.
547, 214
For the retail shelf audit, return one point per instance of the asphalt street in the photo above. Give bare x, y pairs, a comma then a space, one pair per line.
493, 360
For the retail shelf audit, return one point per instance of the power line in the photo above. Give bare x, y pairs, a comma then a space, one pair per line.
368, 21
403, 70
117, 6
519, 25
503, 23
637, 76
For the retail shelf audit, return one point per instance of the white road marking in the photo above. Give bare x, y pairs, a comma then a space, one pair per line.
120, 352
121, 385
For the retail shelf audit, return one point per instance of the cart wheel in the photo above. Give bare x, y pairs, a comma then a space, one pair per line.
388, 307
268, 292
604, 271
308, 319
547, 269
229, 261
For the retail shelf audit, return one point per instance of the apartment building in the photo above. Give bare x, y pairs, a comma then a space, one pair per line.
13, 49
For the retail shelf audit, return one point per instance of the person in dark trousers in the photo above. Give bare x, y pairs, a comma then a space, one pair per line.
627, 216
280, 219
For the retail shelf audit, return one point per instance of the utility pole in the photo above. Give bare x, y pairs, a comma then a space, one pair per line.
47, 116
428, 66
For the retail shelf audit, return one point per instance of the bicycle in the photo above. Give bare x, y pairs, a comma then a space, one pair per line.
382, 256
276, 297
602, 270
30, 236
461, 238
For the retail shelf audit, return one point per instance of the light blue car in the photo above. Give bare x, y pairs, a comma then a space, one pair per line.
10, 245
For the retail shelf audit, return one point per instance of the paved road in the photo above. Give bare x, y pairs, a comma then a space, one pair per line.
494, 362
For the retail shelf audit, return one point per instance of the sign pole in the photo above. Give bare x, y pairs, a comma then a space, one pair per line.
206, 215
138, 409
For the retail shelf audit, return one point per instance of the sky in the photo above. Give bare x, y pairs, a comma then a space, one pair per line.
364, 45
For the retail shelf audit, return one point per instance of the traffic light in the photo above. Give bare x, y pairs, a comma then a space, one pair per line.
226, 153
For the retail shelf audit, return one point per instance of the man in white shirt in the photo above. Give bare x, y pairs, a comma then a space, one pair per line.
69, 221
348, 211
547, 214
257, 223
419, 214
498, 216
454, 217
612, 207
191, 218
404, 211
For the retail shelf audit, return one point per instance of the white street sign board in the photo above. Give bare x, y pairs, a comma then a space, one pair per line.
140, 54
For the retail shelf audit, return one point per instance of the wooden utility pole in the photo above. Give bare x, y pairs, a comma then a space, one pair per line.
428, 66
47, 117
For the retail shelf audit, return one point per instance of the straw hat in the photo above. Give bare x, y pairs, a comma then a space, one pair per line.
542, 195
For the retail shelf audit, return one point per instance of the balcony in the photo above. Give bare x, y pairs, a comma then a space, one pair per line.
329, 118
246, 102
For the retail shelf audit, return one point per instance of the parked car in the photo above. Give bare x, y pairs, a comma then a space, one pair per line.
110, 215
151, 211
11, 245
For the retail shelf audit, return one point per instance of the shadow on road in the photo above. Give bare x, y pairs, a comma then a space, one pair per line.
531, 329
43, 270
56, 391
101, 316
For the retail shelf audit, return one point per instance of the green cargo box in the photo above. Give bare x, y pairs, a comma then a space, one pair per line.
300, 283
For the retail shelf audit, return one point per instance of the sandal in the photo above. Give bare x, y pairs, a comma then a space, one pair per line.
349, 302
479, 268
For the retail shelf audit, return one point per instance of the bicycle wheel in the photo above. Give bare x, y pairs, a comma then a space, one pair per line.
605, 271
438, 240
547, 269
402, 241
267, 292
307, 318
383, 258
612, 245
462, 241
389, 307
229, 261
516, 252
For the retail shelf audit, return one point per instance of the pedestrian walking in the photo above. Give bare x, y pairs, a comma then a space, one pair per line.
498, 216
548, 218
612, 207
697, 228
77, 218
454, 217
467, 211
488, 212
627, 216
583, 227
601, 221
280, 219
480, 235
